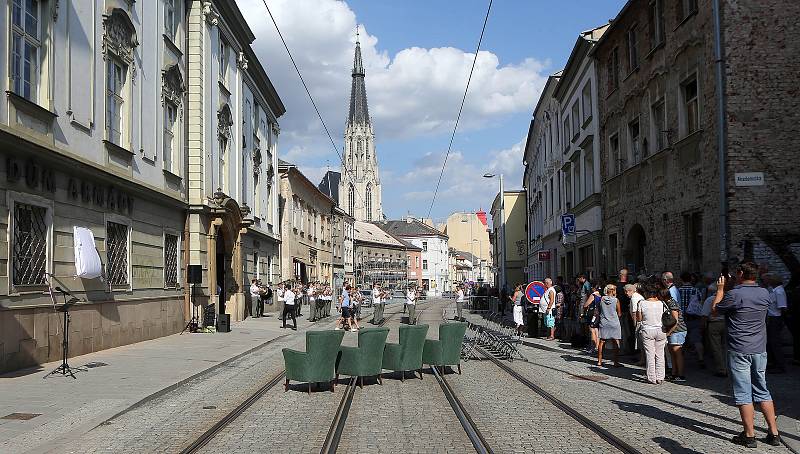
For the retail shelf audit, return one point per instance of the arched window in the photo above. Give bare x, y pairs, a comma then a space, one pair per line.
368, 196
360, 149
351, 200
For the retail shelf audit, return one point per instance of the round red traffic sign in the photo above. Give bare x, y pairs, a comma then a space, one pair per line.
534, 291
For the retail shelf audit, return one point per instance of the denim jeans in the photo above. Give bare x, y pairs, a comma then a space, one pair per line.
748, 377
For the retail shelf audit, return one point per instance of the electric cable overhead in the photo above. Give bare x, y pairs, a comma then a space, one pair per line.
460, 109
313, 103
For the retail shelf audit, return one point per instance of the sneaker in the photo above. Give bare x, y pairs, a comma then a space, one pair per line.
772, 440
742, 440
337, 329
679, 379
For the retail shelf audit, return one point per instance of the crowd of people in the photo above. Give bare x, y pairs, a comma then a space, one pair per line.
732, 322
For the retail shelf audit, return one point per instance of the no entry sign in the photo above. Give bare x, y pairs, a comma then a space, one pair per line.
534, 291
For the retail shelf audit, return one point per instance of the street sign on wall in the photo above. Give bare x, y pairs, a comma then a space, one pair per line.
568, 224
749, 178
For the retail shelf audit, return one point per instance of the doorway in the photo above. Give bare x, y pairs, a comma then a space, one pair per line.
635, 249
221, 275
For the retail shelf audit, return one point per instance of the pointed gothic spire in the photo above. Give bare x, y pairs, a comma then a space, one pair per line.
359, 111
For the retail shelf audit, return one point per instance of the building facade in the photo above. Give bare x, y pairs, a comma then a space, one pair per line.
307, 220
672, 121
380, 258
360, 186
232, 134
414, 256
434, 255
510, 243
469, 232
105, 127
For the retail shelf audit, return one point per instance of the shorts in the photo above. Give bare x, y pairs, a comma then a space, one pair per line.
747, 377
346, 312
677, 338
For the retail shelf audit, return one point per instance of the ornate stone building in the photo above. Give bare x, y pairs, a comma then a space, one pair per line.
360, 186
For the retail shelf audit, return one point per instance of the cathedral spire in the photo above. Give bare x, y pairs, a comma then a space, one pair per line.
359, 111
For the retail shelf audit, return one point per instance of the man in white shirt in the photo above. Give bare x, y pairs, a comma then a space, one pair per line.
255, 299
411, 300
288, 307
636, 298
546, 306
777, 306
377, 312
460, 303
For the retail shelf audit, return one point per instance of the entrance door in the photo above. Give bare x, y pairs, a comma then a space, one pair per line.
220, 265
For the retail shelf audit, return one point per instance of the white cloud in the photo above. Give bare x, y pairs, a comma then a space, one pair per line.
463, 185
415, 92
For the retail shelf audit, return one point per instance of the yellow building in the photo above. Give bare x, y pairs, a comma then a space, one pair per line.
511, 244
469, 232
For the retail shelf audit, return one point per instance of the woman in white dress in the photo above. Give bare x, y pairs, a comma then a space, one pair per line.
518, 317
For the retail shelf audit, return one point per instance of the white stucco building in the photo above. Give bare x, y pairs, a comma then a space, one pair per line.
435, 251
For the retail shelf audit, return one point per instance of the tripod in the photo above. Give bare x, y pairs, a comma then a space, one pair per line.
192, 325
64, 369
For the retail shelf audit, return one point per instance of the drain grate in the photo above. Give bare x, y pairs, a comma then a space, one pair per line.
209, 407
589, 377
94, 364
21, 416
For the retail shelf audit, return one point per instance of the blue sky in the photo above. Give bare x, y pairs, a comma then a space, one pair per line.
417, 56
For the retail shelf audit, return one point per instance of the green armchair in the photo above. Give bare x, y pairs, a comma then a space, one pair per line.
366, 359
317, 363
407, 355
447, 350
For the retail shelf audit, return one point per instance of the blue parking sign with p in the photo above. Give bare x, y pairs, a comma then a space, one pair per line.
567, 224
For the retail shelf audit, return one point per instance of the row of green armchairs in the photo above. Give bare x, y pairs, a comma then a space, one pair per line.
325, 358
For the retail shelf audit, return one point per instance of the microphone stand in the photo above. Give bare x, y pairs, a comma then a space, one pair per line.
64, 369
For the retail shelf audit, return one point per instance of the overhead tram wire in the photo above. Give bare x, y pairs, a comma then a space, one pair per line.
311, 98
461, 108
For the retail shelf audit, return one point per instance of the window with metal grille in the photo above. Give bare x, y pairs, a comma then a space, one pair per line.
117, 253
30, 245
170, 260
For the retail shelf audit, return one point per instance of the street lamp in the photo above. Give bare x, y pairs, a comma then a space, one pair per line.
502, 280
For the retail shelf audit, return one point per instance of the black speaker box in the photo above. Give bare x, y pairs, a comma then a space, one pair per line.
224, 323
194, 274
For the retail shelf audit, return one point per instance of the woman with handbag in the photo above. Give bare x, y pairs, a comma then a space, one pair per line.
609, 328
590, 311
518, 316
653, 313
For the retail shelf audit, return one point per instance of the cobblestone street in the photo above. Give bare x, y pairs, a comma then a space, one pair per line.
414, 415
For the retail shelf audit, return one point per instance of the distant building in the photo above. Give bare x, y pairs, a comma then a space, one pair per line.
469, 232
510, 240
434, 253
360, 185
379, 257
414, 255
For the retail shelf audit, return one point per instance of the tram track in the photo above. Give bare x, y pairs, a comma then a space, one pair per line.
567, 409
333, 437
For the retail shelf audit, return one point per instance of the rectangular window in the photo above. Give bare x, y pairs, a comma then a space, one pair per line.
568, 188
576, 120
659, 122
30, 245
223, 57
588, 172
552, 196
656, 23
612, 253
25, 46
170, 114
424, 264
566, 134
576, 178
170, 18
223, 163
633, 55
117, 253
693, 240
691, 106
115, 99
613, 70
170, 260
586, 256
586, 96
425, 246
616, 160
633, 142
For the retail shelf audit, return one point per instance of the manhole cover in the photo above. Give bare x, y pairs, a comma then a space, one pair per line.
21, 416
92, 365
589, 377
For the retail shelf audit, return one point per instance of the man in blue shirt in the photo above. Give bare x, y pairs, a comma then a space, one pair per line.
345, 304
745, 309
